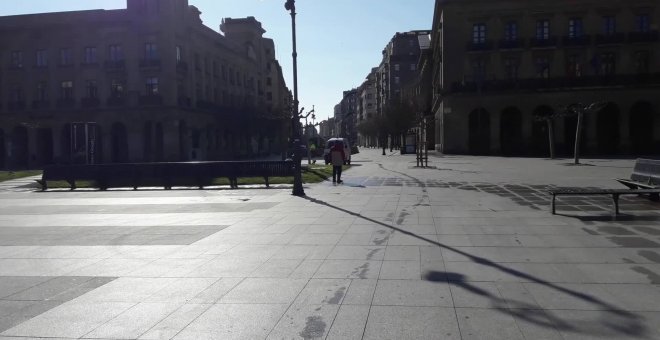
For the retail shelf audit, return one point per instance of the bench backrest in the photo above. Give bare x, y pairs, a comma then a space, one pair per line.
646, 171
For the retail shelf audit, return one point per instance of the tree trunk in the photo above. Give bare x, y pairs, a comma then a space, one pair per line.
551, 137
578, 137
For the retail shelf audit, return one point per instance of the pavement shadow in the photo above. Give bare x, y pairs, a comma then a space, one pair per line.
616, 319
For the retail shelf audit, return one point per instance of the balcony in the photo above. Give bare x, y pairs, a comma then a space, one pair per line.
581, 40
505, 44
150, 63
543, 43
635, 37
150, 100
40, 104
184, 101
535, 84
181, 66
115, 65
89, 102
16, 105
479, 46
610, 39
116, 101
205, 105
65, 103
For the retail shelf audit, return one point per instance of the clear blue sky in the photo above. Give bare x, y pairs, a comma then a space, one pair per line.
338, 40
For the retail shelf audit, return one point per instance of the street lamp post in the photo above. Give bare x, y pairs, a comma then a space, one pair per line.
290, 5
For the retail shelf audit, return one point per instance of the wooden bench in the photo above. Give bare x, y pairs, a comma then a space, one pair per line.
615, 193
167, 175
645, 175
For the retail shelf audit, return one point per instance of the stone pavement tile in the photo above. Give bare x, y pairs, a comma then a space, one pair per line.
516, 295
360, 292
636, 297
571, 296
21, 311
328, 228
372, 239
357, 253
480, 323
41, 267
110, 267
269, 239
216, 291
50, 288
348, 269
277, 229
70, 320
323, 291
134, 322
536, 323
126, 290
181, 290
175, 322
265, 290
317, 239
405, 270
419, 229
83, 288
170, 267
366, 228
476, 295
303, 252
575, 324
234, 321
305, 321
306, 269
402, 253
412, 293
508, 272
620, 273
400, 322
276, 268
226, 267
251, 252
399, 239
10, 285
349, 322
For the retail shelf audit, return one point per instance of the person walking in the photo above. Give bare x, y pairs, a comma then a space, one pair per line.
337, 157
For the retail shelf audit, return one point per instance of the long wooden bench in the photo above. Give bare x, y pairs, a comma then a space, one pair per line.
645, 175
615, 193
167, 175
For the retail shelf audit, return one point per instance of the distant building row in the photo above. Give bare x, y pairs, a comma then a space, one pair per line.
148, 83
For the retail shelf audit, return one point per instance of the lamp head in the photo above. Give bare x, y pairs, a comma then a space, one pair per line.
290, 5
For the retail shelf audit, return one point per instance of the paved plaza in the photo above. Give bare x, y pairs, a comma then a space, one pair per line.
465, 249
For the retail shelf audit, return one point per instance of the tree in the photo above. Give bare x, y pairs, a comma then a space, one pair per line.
580, 109
548, 117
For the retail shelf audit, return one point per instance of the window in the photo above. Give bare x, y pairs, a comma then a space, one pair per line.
396, 80
116, 89
605, 63
478, 70
42, 58
223, 71
269, 81
42, 91
115, 53
641, 60
609, 25
179, 54
66, 58
642, 23
396, 67
542, 65
511, 31
479, 33
511, 66
413, 67
215, 68
573, 66
17, 59
152, 86
66, 89
575, 28
16, 94
90, 55
91, 90
150, 51
269, 95
542, 29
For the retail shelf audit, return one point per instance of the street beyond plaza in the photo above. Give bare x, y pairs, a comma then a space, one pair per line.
465, 249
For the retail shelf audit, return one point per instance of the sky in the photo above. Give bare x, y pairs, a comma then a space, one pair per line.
338, 41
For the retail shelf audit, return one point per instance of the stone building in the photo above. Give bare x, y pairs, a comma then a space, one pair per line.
500, 65
367, 107
147, 83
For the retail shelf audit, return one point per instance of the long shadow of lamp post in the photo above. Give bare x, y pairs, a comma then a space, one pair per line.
290, 5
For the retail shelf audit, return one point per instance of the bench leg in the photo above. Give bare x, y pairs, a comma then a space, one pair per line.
552, 204
615, 199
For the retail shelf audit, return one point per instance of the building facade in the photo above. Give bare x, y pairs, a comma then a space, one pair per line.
502, 66
147, 83
367, 107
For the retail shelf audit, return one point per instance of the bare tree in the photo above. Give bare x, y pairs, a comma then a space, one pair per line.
580, 109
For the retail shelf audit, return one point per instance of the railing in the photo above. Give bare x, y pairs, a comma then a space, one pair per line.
181, 66
480, 46
539, 43
64, 103
90, 102
116, 101
150, 63
581, 40
114, 64
615, 38
651, 36
205, 105
652, 79
40, 104
505, 44
184, 101
17, 105
150, 100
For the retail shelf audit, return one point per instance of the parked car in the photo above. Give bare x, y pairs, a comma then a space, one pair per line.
330, 143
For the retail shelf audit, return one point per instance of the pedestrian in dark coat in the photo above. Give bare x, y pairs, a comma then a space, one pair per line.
337, 157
